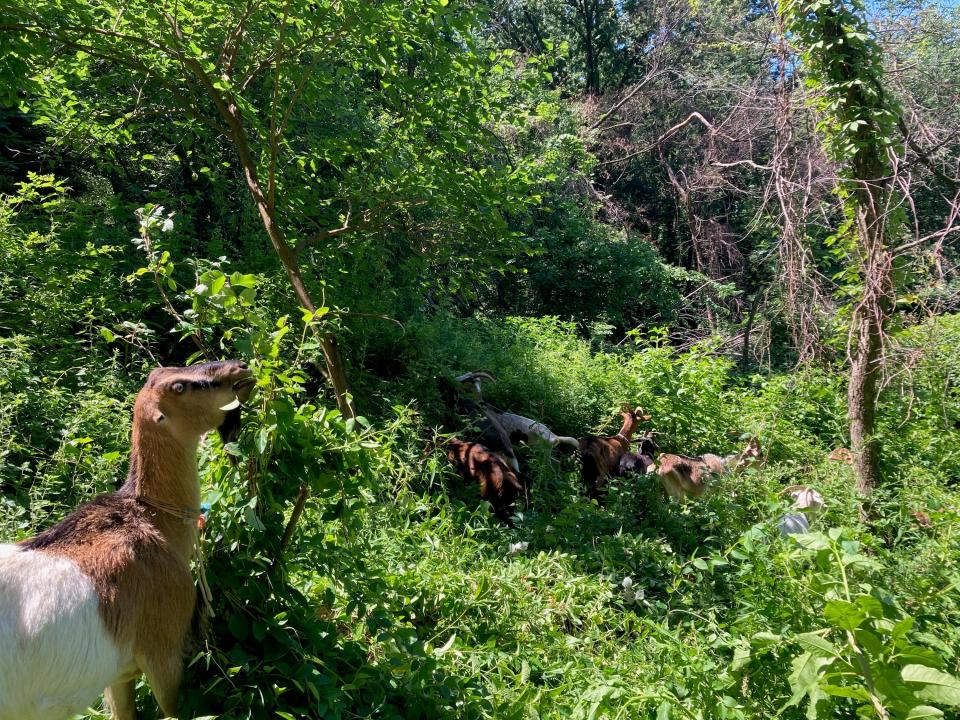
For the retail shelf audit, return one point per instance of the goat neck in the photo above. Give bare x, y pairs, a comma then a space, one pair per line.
175, 408
626, 430
163, 469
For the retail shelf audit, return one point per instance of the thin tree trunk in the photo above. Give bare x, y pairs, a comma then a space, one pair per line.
336, 372
745, 351
862, 401
868, 324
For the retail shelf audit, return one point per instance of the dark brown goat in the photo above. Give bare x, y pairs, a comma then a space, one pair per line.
499, 485
641, 461
600, 456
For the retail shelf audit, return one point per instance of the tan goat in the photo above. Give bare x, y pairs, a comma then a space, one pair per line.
687, 475
106, 594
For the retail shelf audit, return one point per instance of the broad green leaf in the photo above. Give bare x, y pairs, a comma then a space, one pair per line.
937, 686
923, 711
868, 641
764, 639
741, 656
805, 676
812, 541
870, 605
856, 692
815, 642
843, 614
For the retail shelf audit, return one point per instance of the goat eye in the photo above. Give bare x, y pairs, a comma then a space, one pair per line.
177, 388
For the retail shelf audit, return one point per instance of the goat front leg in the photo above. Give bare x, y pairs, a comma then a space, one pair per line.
120, 699
164, 673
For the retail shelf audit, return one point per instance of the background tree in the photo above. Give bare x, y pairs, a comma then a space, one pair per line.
259, 76
843, 58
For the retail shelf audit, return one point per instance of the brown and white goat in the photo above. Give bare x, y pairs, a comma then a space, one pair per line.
499, 484
687, 475
600, 456
517, 427
106, 594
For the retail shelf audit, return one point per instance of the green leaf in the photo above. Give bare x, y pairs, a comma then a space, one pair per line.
901, 629
217, 283
923, 711
764, 639
938, 686
843, 614
868, 641
815, 642
663, 711
812, 541
870, 605
805, 676
919, 655
855, 692
741, 657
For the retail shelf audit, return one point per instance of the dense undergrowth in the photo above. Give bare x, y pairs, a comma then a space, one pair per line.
509, 186
400, 596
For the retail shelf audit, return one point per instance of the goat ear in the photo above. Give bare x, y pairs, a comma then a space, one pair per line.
148, 407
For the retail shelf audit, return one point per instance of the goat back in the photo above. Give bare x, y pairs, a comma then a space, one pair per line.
498, 483
683, 475
635, 462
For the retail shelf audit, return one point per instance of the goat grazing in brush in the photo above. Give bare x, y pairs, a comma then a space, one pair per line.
489, 431
687, 475
518, 427
499, 484
641, 460
106, 594
600, 456
841, 455
502, 429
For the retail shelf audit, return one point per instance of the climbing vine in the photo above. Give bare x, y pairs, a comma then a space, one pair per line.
843, 65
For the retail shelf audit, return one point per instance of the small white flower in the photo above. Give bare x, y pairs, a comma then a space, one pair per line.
629, 594
518, 547
200, 289
167, 225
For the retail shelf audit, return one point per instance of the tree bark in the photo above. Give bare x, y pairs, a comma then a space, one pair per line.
745, 348
336, 373
592, 69
867, 331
